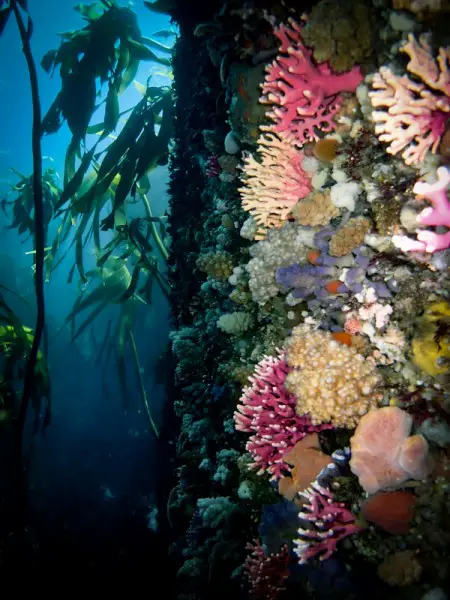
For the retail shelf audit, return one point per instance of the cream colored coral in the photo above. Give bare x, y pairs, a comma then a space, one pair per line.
317, 209
349, 236
274, 185
235, 323
331, 381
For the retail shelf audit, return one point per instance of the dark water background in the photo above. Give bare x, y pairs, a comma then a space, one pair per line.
92, 477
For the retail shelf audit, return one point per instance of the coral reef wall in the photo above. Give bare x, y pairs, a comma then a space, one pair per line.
309, 267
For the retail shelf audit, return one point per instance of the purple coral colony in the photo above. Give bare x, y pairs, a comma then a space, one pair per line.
312, 339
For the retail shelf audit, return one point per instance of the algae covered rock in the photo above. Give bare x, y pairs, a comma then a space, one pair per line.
340, 33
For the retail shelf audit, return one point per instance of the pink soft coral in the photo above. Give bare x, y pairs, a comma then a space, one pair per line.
383, 452
267, 410
415, 112
305, 95
436, 215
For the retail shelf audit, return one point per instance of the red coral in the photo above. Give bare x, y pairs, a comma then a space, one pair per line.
267, 410
305, 95
267, 573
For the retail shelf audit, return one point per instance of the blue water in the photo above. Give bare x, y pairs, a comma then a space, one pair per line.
93, 474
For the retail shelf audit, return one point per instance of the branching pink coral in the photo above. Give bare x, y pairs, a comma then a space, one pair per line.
273, 186
267, 410
305, 95
267, 573
436, 215
330, 520
415, 113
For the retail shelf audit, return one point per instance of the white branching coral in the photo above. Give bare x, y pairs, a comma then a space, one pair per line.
273, 186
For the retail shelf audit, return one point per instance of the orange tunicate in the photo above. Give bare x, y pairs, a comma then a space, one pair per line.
333, 286
313, 256
392, 511
325, 150
343, 337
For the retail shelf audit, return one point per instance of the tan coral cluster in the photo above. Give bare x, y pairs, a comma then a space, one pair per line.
217, 265
349, 237
331, 381
315, 210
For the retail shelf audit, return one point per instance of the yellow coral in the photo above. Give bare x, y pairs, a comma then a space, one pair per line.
431, 343
331, 381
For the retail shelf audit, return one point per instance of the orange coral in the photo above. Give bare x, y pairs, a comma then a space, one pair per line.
326, 149
307, 460
349, 236
392, 511
343, 337
317, 209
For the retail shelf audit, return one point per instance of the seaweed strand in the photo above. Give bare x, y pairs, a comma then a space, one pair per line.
39, 232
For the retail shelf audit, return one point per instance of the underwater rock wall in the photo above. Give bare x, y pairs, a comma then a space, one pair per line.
311, 316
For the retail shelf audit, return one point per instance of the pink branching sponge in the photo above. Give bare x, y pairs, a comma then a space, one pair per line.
267, 410
436, 215
384, 454
305, 95
330, 520
415, 113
